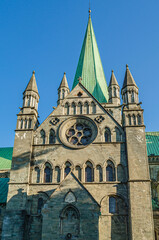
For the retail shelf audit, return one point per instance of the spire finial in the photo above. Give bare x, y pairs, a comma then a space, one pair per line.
33, 72
89, 8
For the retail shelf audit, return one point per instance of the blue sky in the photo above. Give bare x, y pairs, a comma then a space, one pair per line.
46, 36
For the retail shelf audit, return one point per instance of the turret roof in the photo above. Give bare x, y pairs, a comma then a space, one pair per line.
64, 82
32, 86
90, 67
128, 80
113, 80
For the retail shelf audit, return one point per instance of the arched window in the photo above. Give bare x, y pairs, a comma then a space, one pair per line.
80, 107
57, 174
37, 170
93, 107
40, 205
118, 135
52, 137
48, 173
107, 135
67, 168
89, 173
99, 173
139, 119
42, 132
63, 93
21, 125
30, 122
70, 222
78, 170
120, 173
86, 106
25, 123
129, 119
114, 90
67, 108
29, 101
132, 97
134, 119
112, 205
74, 108
110, 172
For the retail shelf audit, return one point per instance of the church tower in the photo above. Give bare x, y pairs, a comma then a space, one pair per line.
63, 89
139, 192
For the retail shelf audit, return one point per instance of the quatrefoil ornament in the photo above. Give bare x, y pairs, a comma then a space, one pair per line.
54, 121
99, 119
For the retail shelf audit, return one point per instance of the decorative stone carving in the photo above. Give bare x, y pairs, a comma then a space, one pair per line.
99, 119
54, 121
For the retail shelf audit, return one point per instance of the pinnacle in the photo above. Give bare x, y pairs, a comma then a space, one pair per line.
113, 80
32, 86
64, 82
128, 80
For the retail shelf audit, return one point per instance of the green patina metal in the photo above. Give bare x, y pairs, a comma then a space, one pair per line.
90, 67
3, 189
152, 142
6, 158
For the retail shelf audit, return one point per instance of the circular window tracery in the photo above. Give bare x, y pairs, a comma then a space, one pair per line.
79, 134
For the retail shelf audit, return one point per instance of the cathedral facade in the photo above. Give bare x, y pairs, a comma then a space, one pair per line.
83, 173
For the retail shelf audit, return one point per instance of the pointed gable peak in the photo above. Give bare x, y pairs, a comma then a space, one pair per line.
128, 80
64, 82
113, 80
32, 86
90, 67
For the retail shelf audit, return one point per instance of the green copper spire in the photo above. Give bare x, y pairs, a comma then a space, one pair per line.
90, 67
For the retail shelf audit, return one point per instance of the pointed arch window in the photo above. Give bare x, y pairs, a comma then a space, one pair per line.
86, 106
139, 119
74, 108
63, 93
67, 107
37, 171
110, 172
48, 173
40, 205
114, 90
26, 123
42, 133
80, 107
132, 97
118, 135
129, 119
107, 135
93, 107
29, 101
134, 119
112, 205
78, 171
21, 124
52, 137
89, 173
67, 168
30, 122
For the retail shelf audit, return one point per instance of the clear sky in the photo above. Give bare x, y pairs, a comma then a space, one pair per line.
46, 36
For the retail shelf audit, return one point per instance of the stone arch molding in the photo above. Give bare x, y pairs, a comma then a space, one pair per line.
70, 197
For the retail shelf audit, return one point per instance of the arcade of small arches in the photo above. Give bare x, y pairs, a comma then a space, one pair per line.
25, 123
132, 119
87, 173
79, 108
130, 96
50, 137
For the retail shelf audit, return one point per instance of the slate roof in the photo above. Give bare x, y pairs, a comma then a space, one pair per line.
3, 189
152, 142
90, 67
6, 158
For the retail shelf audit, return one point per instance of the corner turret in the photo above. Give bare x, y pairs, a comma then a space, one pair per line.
114, 90
63, 89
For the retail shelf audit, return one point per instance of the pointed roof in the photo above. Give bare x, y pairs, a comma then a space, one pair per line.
90, 67
128, 80
32, 86
64, 82
113, 80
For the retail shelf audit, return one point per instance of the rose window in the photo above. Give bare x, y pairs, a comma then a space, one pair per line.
79, 134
